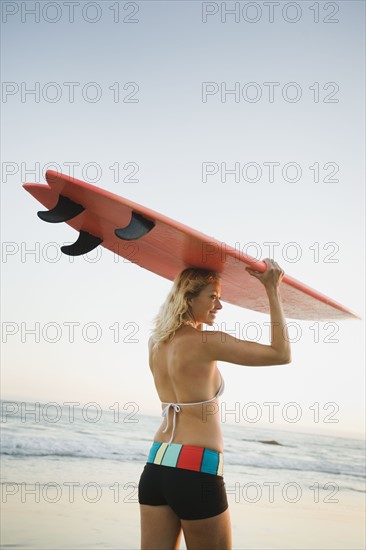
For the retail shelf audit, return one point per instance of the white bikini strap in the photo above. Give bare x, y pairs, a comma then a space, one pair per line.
165, 413
177, 409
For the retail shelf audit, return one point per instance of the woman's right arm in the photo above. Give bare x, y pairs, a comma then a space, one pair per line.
223, 347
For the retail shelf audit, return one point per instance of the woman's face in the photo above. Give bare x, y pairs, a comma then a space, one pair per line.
205, 306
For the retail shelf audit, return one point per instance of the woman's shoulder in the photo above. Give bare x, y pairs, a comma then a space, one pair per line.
183, 337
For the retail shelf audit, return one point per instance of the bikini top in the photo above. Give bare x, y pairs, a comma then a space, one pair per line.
177, 406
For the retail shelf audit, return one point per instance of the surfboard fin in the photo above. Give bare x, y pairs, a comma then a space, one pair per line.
137, 228
65, 210
84, 244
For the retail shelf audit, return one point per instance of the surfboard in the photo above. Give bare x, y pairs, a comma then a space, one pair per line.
165, 246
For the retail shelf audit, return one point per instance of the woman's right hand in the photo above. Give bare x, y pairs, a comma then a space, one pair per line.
271, 277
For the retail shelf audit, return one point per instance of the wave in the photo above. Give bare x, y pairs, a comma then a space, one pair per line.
137, 450
273, 442
87, 447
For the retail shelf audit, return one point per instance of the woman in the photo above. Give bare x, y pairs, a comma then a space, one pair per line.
182, 485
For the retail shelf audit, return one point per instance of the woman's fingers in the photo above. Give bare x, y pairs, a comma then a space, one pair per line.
252, 271
272, 275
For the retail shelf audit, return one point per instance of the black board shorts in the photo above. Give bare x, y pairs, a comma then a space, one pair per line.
189, 480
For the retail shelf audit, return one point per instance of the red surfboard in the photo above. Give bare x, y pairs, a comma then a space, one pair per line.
166, 247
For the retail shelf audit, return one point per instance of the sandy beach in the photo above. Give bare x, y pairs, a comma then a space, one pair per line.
105, 514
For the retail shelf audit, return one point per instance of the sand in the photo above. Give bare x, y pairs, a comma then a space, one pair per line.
112, 521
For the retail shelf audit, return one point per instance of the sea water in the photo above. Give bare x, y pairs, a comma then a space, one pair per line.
56, 435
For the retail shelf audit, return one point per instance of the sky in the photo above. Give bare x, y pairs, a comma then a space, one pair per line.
243, 120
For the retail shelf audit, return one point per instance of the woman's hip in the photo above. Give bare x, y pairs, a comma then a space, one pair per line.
188, 457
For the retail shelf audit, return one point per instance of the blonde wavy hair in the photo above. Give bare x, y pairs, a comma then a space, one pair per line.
176, 310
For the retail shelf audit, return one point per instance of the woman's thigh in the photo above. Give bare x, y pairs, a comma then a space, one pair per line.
160, 528
208, 534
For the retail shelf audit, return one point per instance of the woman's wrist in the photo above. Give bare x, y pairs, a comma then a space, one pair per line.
273, 291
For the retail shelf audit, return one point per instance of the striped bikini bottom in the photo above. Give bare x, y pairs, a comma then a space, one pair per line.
187, 457
187, 478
